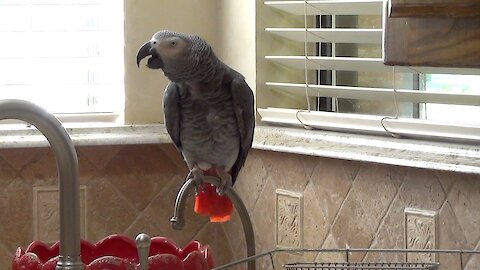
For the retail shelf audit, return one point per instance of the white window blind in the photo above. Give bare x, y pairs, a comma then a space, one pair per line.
341, 61
64, 55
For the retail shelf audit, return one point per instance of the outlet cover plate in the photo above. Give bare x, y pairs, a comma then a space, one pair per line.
289, 219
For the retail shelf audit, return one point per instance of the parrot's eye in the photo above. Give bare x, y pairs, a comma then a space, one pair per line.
173, 43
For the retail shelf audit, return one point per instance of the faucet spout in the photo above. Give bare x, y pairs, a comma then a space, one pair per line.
67, 167
178, 221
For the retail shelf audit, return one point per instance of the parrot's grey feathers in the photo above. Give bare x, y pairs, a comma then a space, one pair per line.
243, 101
208, 107
171, 110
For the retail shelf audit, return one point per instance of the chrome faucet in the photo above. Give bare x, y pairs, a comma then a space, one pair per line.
178, 221
67, 167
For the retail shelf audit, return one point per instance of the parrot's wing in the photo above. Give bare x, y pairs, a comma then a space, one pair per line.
171, 110
243, 101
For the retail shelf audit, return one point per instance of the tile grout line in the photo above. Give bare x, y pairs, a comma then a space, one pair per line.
139, 216
260, 195
184, 167
102, 174
267, 178
141, 213
326, 234
256, 199
123, 196
310, 181
120, 195
470, 258
131, 224
228, 233
2, 246
477, 247
338, 212
382, 219
453, 211
203, 227
443, 189
228, 241
309, 177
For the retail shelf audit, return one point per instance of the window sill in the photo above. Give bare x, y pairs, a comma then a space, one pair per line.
404, 152
22, 136
387, 150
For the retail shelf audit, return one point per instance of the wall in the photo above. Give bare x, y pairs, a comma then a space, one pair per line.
229, 26
131, 189
236, 45
356, 205
144, 87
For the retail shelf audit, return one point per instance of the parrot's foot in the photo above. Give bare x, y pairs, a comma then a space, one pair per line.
225, 181
198, 178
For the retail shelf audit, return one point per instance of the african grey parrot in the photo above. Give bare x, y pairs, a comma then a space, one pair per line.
209, 113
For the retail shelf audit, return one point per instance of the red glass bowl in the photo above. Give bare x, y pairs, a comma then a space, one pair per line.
118, 252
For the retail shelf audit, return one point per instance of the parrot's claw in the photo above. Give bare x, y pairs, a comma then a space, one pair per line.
198, 179
225, 181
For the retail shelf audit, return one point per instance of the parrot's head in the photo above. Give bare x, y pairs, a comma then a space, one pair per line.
175, 53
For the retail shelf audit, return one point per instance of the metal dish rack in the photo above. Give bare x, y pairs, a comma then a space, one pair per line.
361, 265
348, 264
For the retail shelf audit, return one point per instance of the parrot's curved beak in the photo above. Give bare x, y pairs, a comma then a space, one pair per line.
154, 62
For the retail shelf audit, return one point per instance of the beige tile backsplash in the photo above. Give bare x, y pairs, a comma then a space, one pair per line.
131, 189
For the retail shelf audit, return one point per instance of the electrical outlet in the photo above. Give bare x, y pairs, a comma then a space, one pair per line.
289, 219
46, 213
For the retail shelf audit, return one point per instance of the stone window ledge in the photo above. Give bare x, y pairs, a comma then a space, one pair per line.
22, 136
404, 152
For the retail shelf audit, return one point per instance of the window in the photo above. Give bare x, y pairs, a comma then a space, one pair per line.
323, 68
452, 84
64, 55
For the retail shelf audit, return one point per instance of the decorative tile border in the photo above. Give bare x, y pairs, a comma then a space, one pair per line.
420, 233
46, 213
289, 219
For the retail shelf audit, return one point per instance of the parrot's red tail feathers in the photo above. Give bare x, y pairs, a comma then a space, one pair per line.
209, 203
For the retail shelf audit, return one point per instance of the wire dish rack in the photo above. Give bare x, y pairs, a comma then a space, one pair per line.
407, 259
360, 265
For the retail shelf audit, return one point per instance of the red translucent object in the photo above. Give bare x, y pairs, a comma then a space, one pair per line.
118, 252
209, 203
